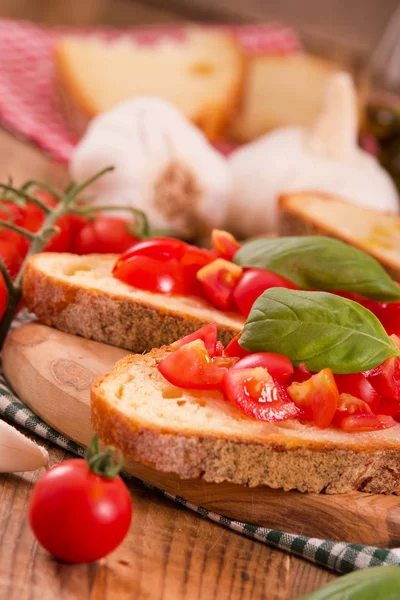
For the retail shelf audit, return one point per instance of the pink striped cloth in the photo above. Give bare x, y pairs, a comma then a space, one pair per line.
28, 106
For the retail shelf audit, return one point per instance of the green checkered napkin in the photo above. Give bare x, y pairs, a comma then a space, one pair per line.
337, 556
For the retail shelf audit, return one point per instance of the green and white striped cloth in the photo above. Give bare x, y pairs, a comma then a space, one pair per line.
337, 556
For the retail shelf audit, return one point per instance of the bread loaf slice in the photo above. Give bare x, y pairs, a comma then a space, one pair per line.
280, 90
372, 231
79, 295
201, 75
199, 434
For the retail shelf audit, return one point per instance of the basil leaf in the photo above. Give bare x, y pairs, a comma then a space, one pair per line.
381, 583
323, 263
317, 328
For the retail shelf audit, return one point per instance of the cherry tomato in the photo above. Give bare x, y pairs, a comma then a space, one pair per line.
256, 394
390, 407
208, 334
353, 414
317, 397
191, 367
219, 279
79, 516
389, 316
386, 378
104, 235
278, 366
253, 283
61, 241
234, 348
164, 277
3, 297
163, 249
357, 385
33, 219
192, 261
13, 246
224, 244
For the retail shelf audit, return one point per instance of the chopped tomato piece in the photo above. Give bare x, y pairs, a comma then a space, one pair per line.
256, 394
356, 384
158, 248
191, 367
219, 349
219, 279
253, 283
234, 348
386, 378
278, 366
389, 316
151, 274
208, 334
317, 397
301, 373
390, 407
224, 243
354, 414
192, 261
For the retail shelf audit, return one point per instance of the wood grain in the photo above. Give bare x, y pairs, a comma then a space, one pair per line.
53, 371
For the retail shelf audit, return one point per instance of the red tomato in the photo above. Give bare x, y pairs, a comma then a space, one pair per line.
278, 366
13, 246
79, 516
104, 235
255, 393
33, 218
353, 414
163, 249
253, 283
389, 316
234, 349
317, 397
3, 297
164, 277
390, 407
301, 373
219, 279
386, 378
357, 385
208, 334
191, 367
224, 244
192, 261
61, 241
219, 349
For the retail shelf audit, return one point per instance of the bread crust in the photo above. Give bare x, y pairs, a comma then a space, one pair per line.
294, 221
114, 319
306, 465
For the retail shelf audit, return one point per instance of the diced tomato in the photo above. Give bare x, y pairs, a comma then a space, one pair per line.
234, 348
253, 283
386, 378
256, 394
163, 249
192, 261
278, 366
389, 316
356, 384
390, 407
353, 414
208, 334
191, 367
151, 274
219, 279
219, 349
225, 244
317, 397
301, 373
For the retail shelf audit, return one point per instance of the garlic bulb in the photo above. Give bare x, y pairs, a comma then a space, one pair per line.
163, 164
324, 158
19, 453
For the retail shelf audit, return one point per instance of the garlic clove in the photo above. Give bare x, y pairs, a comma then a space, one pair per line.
164, 165
18, 452
334, 132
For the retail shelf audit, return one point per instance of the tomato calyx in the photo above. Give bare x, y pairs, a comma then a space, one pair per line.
101, 462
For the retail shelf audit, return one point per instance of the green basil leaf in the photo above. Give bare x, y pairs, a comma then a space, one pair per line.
376, 583
323, 263
317, 328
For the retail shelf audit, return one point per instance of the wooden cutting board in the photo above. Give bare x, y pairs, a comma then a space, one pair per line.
52, 373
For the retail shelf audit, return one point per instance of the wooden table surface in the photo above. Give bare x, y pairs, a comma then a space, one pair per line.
169, 553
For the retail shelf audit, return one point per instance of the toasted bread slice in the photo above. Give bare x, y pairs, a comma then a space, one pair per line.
78, 294
281, 90
199, 434
201, 75
374, 232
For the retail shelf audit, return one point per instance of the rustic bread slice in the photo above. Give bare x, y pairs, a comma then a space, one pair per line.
201, 75
199, 434
375, 232
280, 90
78, 294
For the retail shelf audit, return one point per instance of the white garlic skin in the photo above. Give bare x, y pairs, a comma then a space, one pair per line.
148, 140
18, 452
278, 162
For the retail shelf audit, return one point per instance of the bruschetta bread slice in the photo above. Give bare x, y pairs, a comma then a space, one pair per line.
197, 433
372, 231
79, 295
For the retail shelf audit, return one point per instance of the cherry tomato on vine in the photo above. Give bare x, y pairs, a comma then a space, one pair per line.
104, 235
80, 510
3, 297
